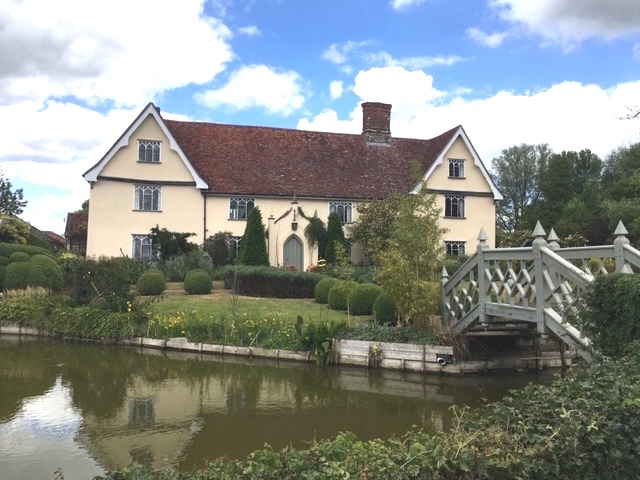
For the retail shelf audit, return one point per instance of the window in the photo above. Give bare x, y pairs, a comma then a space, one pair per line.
453, 206
149, 151
239, 208
234, 246
343, 209
142, 248
147, 197
456, 168
454, 249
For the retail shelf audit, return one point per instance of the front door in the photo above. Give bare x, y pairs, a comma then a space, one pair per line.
293, 253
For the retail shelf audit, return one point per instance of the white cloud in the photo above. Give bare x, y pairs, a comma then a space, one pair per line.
567, 116
336, 88
400, 4
250, 31
338, 53
568, 22
276, 91
412, 63
488, 40
47, 147
92, 51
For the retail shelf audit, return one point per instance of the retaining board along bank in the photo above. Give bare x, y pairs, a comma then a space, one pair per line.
385, 355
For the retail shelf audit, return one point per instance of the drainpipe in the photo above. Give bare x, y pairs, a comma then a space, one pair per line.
204, 219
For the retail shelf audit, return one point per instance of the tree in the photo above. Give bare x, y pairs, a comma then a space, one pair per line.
407, 273
316, 234
253, 248
14, 230
170, 244
218, 246
11, 203
516, 174
334, 234
374, 227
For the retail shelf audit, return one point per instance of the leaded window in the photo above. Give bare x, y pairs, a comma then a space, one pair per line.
239, 208
343, 209
456, 168
142, 248
149, 151
147, 197
455, 249
454, 206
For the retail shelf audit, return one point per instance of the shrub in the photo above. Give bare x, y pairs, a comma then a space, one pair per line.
197, 282
199, 259
363, 297
339, 294
45, 272
6, 249
151, 282
321, 292
383, 310
3, 269
16, 276
102, 282
18, 257
269, 282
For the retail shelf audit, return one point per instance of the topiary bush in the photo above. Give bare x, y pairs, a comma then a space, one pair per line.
363, 297
43, 271
18, 257
16, 275
383, 310
197, 282
339, 294
321, 292
101, 283
151, 282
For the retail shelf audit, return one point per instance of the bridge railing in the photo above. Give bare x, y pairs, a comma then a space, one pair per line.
541, 284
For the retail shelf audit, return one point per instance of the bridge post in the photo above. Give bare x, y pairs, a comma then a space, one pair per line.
482, 287
618, 247
538, 268
444, 318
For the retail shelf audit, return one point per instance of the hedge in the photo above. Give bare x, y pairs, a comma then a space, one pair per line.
270, 281
363, 297
321, 292
151, 282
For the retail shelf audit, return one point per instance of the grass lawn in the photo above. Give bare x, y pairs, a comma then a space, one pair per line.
220, 303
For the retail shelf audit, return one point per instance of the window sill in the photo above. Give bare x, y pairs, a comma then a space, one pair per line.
149, 162
151, 211
455, 218
457, 178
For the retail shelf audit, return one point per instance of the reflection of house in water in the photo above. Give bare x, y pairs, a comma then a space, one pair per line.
185, 420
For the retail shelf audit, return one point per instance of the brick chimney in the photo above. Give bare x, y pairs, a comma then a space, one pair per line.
376, 120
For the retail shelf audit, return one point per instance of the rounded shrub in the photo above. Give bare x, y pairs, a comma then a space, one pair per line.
44, 271
4, 261
321, 291
16, 275
339, 293
197, 282
18, 257
362, 298
151, 282
383, 310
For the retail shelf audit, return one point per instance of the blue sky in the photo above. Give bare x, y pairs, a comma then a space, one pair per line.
74, 74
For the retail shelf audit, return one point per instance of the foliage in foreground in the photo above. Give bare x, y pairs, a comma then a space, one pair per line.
552, 432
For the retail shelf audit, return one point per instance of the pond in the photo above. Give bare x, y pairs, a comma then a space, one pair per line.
86, 408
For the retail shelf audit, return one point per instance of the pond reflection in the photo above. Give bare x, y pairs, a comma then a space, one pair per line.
88, 407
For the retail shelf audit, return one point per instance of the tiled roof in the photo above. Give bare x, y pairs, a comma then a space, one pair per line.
265, 161
76, 224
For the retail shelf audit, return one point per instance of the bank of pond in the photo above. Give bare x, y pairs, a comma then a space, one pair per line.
94, 409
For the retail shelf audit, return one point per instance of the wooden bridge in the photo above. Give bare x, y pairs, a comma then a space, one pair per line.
540, 285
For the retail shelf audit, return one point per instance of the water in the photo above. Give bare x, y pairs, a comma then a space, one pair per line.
86, 408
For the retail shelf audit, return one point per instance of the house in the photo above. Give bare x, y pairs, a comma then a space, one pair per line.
75, 233
202, 178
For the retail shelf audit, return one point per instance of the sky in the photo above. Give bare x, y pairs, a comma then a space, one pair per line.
74, 74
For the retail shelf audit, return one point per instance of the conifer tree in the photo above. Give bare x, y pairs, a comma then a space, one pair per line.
334, 234
253, 248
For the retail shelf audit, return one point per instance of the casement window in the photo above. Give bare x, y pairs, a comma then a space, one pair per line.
454, 249
147, 197
149, 151
456, 168
454, 206
239, 208
142, 248
343, 209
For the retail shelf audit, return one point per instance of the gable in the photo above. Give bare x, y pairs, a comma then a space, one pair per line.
121, 161
476, 177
